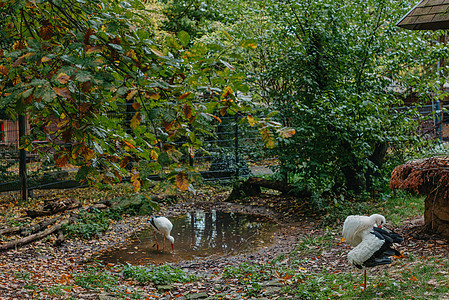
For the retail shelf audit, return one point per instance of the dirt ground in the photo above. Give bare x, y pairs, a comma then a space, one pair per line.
49, 265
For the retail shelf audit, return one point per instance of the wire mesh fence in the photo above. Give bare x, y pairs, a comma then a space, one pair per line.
230, 149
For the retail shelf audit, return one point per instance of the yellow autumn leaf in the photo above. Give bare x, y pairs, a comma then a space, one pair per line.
94, 49
131, 94
157, 52
154, 154
154, 96
215, 117
184, 95
63, 92
137, 106
135, 121
286, 133
3, 70
227, 91
62, 78
267, 138
129, 144
187, 110
136, 185
124, 162
182, 182
251, 120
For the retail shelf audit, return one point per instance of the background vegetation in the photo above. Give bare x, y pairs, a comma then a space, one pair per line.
327, 73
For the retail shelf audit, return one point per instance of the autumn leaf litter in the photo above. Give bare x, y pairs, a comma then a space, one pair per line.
31, 270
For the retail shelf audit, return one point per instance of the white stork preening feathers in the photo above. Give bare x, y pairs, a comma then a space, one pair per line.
371, 241
164, 227
356, 227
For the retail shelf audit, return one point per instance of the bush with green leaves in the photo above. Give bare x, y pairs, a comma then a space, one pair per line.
90, 224
96, 276
332, 69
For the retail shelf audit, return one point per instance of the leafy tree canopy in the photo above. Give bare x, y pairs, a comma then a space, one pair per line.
333, 70
68, 63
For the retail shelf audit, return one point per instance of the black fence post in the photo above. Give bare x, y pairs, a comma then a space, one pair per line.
236, 146
22, 160
439, 119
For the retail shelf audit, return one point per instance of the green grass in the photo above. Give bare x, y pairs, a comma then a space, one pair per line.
96, 277
412, 277
395, 208
398, 208
252, 276
316, 243
401, 281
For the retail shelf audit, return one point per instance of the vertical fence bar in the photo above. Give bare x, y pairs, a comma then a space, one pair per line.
439, 120
22, 160
236, 146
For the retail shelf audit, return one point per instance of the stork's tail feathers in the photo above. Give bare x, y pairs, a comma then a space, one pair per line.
372, 262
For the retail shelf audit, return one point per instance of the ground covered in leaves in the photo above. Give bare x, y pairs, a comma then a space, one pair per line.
305, 260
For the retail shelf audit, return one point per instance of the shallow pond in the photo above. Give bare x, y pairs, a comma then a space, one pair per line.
197, 234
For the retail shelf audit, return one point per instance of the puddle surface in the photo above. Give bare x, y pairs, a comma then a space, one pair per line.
197, 234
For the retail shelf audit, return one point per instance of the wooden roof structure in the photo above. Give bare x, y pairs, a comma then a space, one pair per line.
427, 15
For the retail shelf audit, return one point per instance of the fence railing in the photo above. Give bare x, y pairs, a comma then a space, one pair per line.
229, 153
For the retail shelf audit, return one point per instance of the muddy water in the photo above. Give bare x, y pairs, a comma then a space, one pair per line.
197, 234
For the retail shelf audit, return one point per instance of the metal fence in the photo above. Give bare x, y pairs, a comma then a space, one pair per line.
233, 149
229, 151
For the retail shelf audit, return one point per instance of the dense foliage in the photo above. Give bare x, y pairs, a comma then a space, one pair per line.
329, 71
335, 70
69, 64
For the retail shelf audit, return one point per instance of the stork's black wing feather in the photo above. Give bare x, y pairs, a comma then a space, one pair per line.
152, 223
381, 256
393, 236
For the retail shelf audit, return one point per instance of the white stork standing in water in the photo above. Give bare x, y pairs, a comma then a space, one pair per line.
371, 241
164, 227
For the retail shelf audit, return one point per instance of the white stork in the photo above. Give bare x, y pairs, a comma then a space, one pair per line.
371, 241
164, 227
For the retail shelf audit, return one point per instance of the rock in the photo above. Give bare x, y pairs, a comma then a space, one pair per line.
269, 290
201, 295
165, 287
272, 283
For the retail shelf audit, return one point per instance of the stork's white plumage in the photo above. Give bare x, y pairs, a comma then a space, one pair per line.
371, 241
355, 227
164, 227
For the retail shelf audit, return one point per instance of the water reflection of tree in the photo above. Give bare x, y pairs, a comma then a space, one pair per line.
208, 230
217, 231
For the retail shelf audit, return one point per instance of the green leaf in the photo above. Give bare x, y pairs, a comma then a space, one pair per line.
184, 37
83, 76
82, 173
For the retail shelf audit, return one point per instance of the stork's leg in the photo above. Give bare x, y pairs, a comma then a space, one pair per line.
364, 282
157, 244
163, 245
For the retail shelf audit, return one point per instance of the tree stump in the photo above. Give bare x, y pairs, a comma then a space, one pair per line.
429, 177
